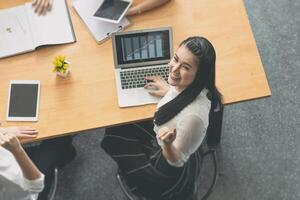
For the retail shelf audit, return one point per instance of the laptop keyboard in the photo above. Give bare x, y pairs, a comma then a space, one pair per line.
136, 78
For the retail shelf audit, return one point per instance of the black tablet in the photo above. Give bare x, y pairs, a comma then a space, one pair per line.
23, 100
112, 10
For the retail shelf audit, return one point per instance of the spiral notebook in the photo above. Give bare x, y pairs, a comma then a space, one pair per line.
100, 30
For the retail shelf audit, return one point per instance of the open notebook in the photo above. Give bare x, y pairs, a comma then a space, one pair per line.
22, 30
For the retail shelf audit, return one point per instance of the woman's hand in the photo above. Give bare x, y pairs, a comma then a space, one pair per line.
21, 132
10, 142
158, 86
42, 6
170, 152
166, 135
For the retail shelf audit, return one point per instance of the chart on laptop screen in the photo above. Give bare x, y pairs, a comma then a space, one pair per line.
143, 47
139, 47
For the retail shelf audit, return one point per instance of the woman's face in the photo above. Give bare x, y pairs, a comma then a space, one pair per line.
182, 68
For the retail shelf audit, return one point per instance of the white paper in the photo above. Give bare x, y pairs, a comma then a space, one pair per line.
52, 28
22, 30
15, 34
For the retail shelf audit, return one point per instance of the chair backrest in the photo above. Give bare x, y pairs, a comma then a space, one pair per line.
214, 128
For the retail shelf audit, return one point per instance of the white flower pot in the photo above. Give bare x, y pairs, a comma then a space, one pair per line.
64, 75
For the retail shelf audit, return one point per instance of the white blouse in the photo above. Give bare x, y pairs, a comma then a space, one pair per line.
13, 185
190, 124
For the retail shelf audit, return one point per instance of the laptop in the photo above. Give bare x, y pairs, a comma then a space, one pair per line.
139, 54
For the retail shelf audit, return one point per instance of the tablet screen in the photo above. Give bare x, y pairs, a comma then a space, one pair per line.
111, 9
23, 100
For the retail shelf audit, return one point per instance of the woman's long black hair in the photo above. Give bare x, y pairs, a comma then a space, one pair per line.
205, 78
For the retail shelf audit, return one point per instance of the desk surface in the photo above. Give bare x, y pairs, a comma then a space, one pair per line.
87, 98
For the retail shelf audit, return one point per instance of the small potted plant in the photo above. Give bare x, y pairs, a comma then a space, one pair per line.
61, 66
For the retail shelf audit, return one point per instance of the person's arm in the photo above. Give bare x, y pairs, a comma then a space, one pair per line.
178, 148
10, 142
42, 6
145, 6
170, 152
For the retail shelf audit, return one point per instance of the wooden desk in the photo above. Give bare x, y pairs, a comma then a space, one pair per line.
87, 98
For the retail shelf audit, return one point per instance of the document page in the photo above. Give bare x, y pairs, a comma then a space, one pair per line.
15, 34
53, 28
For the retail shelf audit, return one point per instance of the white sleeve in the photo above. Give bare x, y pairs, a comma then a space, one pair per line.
33, 186
15, 183
190, 133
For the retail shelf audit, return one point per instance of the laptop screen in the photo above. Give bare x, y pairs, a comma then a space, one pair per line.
140, 47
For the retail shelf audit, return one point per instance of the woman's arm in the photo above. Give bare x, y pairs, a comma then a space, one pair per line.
10, 142
178, 148
170, 152
144, 6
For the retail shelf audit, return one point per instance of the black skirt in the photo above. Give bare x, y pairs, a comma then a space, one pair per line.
146, 171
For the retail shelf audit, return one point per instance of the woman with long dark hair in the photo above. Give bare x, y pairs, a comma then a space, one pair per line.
161, 160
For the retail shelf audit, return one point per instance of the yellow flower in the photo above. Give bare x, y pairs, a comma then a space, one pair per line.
60, 64
61, 58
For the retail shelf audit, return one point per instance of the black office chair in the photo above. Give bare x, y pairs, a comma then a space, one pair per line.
208, 147
213, 152
193, 196
54, 186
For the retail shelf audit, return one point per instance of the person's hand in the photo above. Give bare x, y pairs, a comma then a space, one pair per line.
22, 132
131, 11
42, 6
9, 141
159, 85
166, 135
